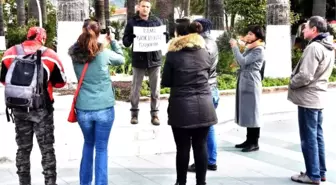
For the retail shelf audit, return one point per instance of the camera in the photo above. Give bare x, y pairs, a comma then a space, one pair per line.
108, 30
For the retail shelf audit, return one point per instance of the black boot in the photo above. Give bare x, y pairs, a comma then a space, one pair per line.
251, 148
242, 145
247, 141
253, 137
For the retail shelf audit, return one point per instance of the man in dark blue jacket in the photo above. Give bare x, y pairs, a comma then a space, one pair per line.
144, 61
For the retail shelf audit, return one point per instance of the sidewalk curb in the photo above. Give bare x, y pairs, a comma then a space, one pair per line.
230, 92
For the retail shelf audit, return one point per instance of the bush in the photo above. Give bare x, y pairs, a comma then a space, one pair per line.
223, 42
296, 55
226, 81
125, 68
226, 63
269, 82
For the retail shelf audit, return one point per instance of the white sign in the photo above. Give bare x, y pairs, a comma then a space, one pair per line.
2, 43
149, 38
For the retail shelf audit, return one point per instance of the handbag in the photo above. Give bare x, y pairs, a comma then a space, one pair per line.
72, 118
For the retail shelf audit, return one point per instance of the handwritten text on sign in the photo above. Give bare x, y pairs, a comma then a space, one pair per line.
149, 38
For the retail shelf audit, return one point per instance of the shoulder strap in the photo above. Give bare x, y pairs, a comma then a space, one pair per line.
19, 49
43, 49
80, 81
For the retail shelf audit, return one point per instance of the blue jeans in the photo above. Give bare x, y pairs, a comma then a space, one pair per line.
312, 142
211, 142
96, 127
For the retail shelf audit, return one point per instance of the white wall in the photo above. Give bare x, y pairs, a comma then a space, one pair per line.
67, 34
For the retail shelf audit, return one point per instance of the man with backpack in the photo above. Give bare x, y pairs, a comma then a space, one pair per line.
29, 72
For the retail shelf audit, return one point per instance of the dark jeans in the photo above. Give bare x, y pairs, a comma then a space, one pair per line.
312, 142
96, 127
184, 138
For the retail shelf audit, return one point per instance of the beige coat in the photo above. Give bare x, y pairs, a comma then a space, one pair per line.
309, 80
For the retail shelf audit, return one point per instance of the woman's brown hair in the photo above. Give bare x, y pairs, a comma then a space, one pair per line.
88, 40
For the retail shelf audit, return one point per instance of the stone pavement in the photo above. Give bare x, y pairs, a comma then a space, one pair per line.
145, 155
279, 158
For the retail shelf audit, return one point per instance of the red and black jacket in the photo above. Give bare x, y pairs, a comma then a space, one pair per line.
53, 69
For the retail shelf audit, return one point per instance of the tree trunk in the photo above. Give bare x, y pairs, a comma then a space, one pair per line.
226, 21
206, 9
278, 12
166, 9
320, 7
278, 61
2, 29
107, 12
72, 10
216, 13
43, 4
33, 10
232, 21
186, 8
100, 12
130, 8
21, 12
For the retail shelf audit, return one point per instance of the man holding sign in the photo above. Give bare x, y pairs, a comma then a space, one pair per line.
148, 37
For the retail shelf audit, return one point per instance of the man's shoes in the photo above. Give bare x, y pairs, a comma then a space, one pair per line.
134, 120
323, 179
155, 121
251, 148
242, 145
212, 167
303, 178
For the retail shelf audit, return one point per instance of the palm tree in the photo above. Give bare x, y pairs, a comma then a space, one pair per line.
100, 12
2, 30
166, 13
33, 10
107, 12
186, 7
72, 10
216, 13
278, 61
320, 7
130, 8
21, 12
43, 4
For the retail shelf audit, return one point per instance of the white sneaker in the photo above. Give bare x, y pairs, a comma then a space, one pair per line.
303, 178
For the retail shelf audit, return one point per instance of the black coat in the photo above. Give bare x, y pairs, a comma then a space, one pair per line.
142, 59
186, 72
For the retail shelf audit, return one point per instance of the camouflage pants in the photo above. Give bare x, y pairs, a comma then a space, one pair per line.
40, 122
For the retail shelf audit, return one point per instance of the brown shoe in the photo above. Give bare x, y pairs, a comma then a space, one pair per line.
134, 120
155, 121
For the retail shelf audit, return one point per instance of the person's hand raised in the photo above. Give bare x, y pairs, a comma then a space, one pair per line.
233, 43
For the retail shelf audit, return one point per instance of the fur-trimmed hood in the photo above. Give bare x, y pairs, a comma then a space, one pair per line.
78, 55
190, 41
